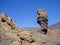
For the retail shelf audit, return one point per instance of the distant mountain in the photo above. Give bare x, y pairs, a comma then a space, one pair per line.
54, 26
30, 28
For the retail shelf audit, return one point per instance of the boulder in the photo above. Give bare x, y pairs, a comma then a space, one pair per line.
27, 36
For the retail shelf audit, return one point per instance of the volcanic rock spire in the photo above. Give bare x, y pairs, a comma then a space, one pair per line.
42, 20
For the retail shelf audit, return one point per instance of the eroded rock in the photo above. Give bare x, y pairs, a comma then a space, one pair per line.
27, 36
42, 20
7, 21
10, 36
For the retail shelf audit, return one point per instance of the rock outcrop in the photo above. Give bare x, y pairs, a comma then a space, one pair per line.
10, 34
7, 22
42, 20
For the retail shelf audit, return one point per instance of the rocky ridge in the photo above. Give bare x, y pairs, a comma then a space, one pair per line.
10, 34
56, 27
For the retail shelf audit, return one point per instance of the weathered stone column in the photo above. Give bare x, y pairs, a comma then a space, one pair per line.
42, 20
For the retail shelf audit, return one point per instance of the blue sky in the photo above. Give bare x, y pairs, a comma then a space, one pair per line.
25, 11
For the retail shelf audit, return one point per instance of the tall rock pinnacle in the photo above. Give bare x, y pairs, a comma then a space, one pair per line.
42, 20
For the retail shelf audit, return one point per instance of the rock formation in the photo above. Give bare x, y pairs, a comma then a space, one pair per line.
10, 34
6, 21
42, 20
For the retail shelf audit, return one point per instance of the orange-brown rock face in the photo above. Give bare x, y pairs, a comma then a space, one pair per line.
42, 20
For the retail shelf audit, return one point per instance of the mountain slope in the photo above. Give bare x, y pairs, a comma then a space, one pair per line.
56, 27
